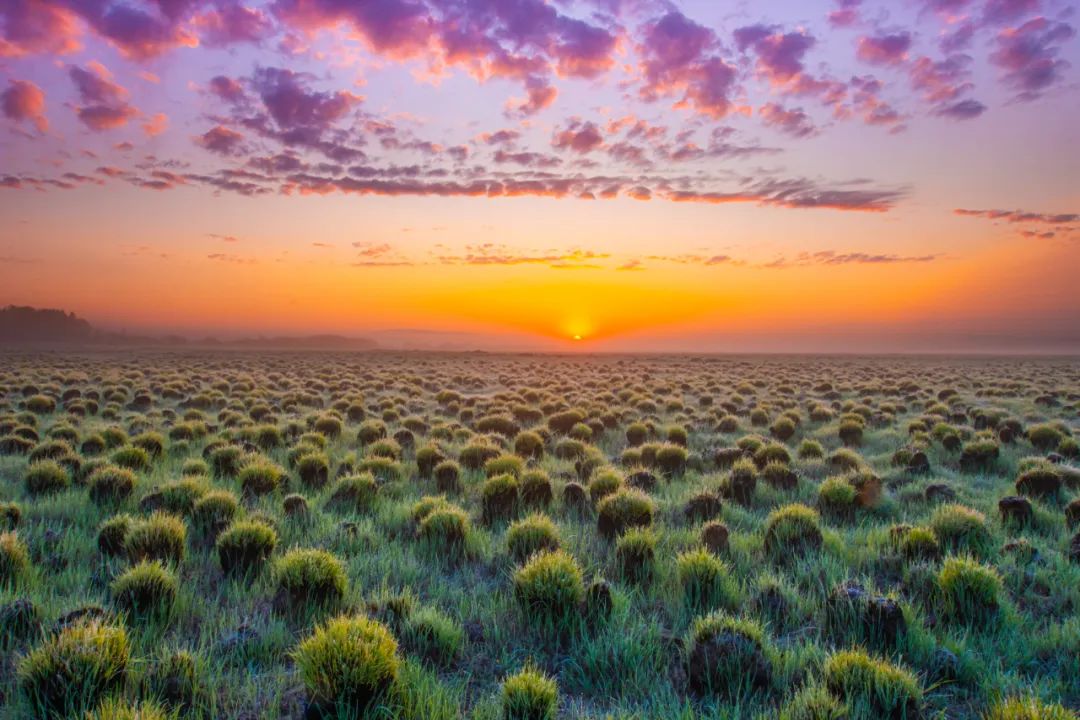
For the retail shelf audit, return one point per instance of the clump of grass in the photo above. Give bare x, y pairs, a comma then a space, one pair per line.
873, 686
850, 432
814, 703
313, 469
505, 465
836, 496
741, 482
175, 681
309, 577
810, 450
530, 535
792, 531
148, 589
46, 477
960, 528
635, 554
20, 620
1028, 708
727, 656
1041, 481
549, 587
214, 511
159, 537
971, 592
920, 543
117, 709
110, 484
445, 529
179, 496
348, 664
245, 546
112, 534
1045, 436
624, 509
432, 635
260, 477
475, 454
355, 493
448, 476
499, 496
14, 559
979, 454
226, 460
706, 581
535, 489
603, 483
529, 695
131, 457
671, 458
71, 671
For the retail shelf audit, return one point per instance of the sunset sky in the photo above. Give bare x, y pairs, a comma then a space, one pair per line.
640, 174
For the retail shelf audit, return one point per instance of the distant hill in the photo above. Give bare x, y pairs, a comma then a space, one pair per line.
28, 326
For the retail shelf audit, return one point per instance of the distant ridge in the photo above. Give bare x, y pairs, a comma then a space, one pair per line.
28, 326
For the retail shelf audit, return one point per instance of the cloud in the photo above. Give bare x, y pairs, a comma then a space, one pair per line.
1028, 56
580, 137
30, 27
794, 122
779, 55
890, 49
23, 101
866, 102
140, 30
999, 12
232, 259
221, 140
695, 259
105, 105
1021, 216
527, 159
489, 254
292, 105
230, 23
798, 194
831, 257
525, 40
156, 125
678, 59
961, 110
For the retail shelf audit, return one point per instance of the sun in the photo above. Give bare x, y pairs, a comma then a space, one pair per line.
577, 337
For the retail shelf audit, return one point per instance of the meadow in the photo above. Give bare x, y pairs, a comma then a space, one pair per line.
393, 535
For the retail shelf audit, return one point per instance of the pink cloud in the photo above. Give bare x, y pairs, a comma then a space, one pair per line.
230, 23
156, 125
221, 140
793, 122
105, 105
29, 27
23, 101
889, 49
580, 137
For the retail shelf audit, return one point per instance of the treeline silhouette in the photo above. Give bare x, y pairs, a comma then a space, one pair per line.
23, 325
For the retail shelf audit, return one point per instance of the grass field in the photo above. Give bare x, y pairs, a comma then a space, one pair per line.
486, 536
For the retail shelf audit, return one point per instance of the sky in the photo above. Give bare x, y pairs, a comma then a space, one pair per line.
797, 175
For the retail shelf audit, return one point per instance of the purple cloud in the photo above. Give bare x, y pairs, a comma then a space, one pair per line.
1028, 55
